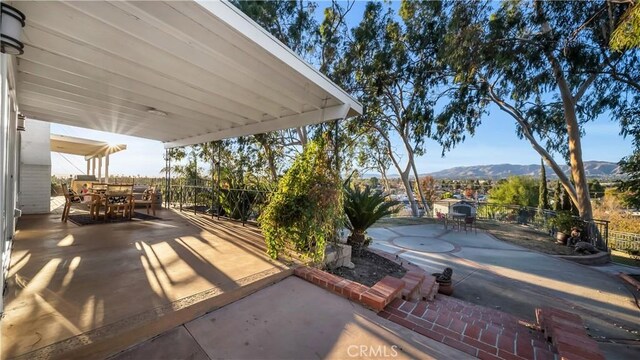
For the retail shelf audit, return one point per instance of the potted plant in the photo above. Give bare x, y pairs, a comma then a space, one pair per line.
562, 223
363, 208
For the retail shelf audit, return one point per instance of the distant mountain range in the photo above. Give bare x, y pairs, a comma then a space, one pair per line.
593, 169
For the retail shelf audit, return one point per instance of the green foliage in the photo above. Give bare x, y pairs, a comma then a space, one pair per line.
447, 195
631, 186
306, 210
543, 201
564, 221
557, 197
627, 33
596, 189
548, 65
566, 203
517, 190
363, 207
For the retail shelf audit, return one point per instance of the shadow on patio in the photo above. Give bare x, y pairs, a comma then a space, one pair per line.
115, 283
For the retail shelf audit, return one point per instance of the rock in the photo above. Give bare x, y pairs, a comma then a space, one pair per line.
583, 247
349, 265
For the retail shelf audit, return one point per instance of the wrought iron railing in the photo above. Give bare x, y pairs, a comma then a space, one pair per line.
594, 231
244, 205
619, 240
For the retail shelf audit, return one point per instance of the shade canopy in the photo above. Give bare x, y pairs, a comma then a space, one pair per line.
83, 147
182, 72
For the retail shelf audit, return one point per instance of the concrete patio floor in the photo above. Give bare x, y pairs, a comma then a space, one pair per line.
516, 280
74, 285
292, 319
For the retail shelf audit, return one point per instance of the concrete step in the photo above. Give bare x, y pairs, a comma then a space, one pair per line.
112, 338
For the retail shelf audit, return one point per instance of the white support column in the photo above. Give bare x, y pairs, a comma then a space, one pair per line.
93, 166
100, 169
106, 168
88, 167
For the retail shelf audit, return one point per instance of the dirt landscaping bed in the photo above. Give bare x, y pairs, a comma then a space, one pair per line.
525, 236
369, 269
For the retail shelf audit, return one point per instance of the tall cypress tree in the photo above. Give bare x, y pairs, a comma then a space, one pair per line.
557, 197
543, 200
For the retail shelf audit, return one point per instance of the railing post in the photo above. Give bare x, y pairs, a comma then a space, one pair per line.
218, 181
195, 200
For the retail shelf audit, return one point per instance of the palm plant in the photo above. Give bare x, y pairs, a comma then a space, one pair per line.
363, 208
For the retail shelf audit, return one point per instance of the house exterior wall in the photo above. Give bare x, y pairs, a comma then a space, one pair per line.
35, 168
9, 164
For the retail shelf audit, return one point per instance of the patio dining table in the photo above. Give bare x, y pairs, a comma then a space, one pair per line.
456, 218
103, 193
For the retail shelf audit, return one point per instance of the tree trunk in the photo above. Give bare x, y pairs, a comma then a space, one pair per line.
583, 200
425, 206
526, 131
385, 179
404, 176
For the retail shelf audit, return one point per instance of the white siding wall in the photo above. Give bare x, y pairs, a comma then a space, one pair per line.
35, 168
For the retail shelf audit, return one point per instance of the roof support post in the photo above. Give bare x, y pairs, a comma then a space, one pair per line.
88, 167
100, 169
93, 166
106, 168
167, 180
218, 179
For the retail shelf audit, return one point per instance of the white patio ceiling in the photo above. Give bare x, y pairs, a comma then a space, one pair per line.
214, 72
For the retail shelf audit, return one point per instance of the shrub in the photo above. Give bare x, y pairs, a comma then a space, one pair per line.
363, 208
305, 211
564, 221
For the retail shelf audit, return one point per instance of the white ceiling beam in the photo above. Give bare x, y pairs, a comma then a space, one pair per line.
112, 112
73, 119
112, 43
97, 120
178, 41
286, 122
235, 19
40, 86
235, 45
65, 54
64, 81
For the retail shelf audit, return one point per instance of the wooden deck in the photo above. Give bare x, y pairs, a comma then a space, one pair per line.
70, 285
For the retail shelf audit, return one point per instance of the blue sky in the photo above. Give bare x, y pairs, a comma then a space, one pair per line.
495, 142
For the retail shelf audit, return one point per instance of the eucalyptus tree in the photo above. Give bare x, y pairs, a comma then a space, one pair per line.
321, 44
394, 89
548, 66
630, 166
627, 33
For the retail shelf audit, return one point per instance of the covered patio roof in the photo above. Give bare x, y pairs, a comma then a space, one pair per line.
83, 147
181, 72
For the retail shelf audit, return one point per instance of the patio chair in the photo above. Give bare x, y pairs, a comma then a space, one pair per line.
118, 199
148, 200
470, 221
90, 202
